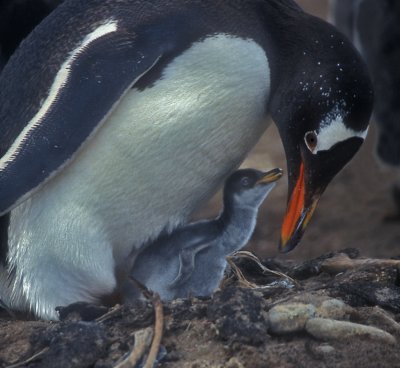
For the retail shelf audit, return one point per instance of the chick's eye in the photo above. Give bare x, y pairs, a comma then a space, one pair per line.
245, 182
311, 140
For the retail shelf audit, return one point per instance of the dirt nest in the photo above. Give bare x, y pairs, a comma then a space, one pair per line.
338, 310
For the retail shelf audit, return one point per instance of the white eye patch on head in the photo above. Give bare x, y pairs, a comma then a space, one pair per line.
332, 131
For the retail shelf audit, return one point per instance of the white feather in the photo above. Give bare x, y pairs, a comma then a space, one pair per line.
334, 131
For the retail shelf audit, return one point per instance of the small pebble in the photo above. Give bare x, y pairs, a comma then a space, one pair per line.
329, 329
286, 318
325, 349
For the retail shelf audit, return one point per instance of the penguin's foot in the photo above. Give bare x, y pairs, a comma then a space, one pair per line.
86, 311
81, 311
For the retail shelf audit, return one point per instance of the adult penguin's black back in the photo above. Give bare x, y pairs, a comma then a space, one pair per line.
17, 19
120, 118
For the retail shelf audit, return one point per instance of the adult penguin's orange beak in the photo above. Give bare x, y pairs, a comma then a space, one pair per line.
298, 214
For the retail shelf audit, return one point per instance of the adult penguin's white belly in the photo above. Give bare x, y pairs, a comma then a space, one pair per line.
162, 152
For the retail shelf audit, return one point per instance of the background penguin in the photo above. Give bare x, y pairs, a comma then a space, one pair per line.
374, 27
107, 99
192, 259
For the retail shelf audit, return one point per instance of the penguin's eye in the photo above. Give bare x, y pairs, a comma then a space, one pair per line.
311, 140
245, 182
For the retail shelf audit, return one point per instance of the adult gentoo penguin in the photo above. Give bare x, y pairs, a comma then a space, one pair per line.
119, 118
192, 259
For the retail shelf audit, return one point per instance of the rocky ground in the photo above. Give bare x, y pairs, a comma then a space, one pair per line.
338, 310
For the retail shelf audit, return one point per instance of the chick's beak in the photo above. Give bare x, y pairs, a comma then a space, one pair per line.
270, 176
300, 209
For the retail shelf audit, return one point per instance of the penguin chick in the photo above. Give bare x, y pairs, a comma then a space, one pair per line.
192, 259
